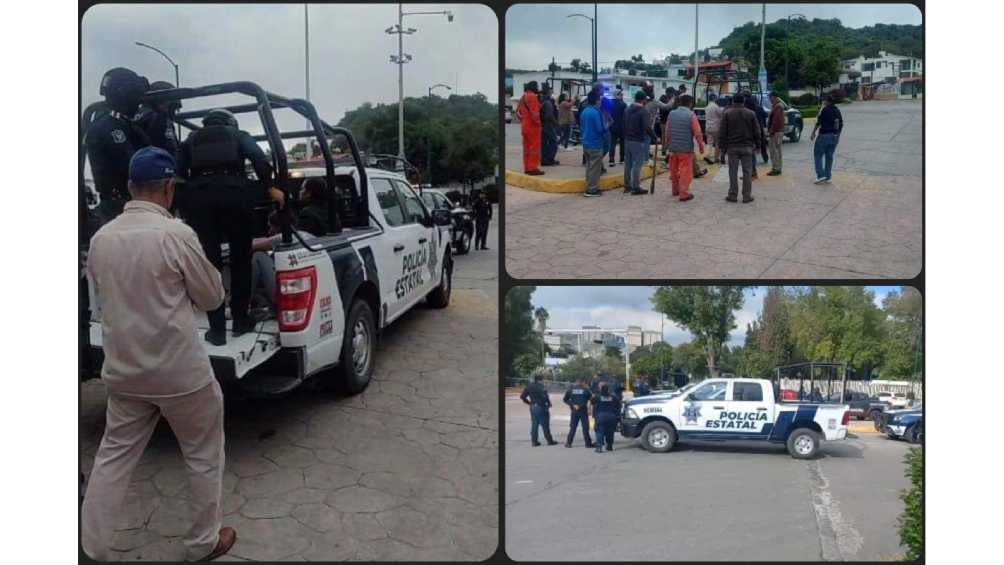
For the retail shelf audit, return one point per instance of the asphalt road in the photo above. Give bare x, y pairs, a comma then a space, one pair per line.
698, 502
866, 224
407, 470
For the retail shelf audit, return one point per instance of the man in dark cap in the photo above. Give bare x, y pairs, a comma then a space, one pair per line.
536, 397
549, 128
151, 275
112, 139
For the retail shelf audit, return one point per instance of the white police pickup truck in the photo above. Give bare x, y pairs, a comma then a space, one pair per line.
735, 409
333, 300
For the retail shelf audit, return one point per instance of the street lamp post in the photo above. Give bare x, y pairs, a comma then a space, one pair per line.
592, 21
400, 59
177, 72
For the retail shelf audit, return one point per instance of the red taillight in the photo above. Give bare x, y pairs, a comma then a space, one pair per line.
295, 298
846, 419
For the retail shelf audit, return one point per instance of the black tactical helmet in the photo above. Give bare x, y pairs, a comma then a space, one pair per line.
122, 89
219, 117
164, 85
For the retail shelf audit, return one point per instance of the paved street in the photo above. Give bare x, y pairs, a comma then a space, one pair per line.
698, 502
866, 224
408, 470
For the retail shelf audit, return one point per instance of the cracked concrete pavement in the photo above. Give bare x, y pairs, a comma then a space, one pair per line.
700, 502
407, 470
866, 224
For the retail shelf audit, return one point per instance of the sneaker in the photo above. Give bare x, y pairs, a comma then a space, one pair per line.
535, 173
638, 191
731, 199
611, 164
826, 180
687, 197
701, 174
216, 337
818, 180
773, 173
589, 193
747, 200
552, 442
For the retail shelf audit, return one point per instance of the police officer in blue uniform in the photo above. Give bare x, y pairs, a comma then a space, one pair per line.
606, 411
535, 395
219, 205
112, 139
156, 121
642, 389
577, 398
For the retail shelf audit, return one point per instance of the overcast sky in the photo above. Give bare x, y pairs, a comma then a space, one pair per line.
264, 43
536, 32
571, 307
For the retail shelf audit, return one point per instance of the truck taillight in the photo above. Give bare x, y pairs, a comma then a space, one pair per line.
846, 419
295, 290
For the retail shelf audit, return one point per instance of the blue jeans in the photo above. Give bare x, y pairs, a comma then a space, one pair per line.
566, 134
540, 417
634, 160
822, 153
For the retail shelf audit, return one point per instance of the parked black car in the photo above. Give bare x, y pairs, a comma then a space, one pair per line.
862, 405
905, 424
462, 231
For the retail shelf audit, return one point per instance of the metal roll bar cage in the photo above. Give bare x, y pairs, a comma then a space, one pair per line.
798, 368
263, 105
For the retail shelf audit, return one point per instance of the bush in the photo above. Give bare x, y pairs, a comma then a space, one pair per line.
808, 112
911, 521
807, 99
839, 95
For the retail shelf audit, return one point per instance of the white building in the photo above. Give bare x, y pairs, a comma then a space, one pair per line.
886, 76
565, 81
637, 337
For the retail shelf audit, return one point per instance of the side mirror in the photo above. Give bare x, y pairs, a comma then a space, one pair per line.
441, 217
690, 397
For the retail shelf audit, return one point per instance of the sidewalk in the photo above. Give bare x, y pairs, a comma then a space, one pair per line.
569, 176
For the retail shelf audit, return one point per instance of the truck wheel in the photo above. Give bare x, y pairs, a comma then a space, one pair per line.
355, 366
804, 443
440, 297
658, 437
464, 243
915, 434
796, 134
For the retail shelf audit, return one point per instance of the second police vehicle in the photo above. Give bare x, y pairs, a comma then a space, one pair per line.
735, 409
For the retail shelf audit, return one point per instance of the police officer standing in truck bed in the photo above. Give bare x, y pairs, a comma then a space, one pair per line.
155, 120
113, 138
219, 204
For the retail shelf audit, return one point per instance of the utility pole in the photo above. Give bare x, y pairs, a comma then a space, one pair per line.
763, 34
306, 54
697, 63
595, 50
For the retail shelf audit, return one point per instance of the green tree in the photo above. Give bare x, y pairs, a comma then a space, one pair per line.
518, 337
901, 348
707, 312
822, 63
526, 365
837, 324
541, 316
649, 360
690, 358
613, 352
579, 367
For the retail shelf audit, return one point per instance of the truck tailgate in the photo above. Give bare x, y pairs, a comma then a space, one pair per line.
236, 357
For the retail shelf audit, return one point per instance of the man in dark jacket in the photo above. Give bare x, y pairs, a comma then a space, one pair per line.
549, 128
738, 134
617, 126
535, 396
761, 117
637, 134
482, 210
775, 133
577, 398
606, 412
313, 215
156, 120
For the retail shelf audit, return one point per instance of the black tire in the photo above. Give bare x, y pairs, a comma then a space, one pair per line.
658, 437
797, 134
356, 368
804, 443
440, 296
463, 246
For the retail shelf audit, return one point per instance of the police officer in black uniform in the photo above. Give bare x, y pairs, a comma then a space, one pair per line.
606, 411
219, 205
577, 398
482, 210
535, 395
642, 389
156, 121
112, 139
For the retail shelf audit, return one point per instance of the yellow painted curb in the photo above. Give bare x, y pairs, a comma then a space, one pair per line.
570, 186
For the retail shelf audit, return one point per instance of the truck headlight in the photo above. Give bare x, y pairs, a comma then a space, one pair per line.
631, 414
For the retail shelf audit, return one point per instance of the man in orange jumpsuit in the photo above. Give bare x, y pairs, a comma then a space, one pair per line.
529, 119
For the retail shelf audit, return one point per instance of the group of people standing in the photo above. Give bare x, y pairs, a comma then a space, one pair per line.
601, 400
737, 127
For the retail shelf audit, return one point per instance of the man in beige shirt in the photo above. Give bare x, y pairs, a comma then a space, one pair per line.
150, 274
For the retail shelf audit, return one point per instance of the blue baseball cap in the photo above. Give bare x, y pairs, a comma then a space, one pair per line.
150, 164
